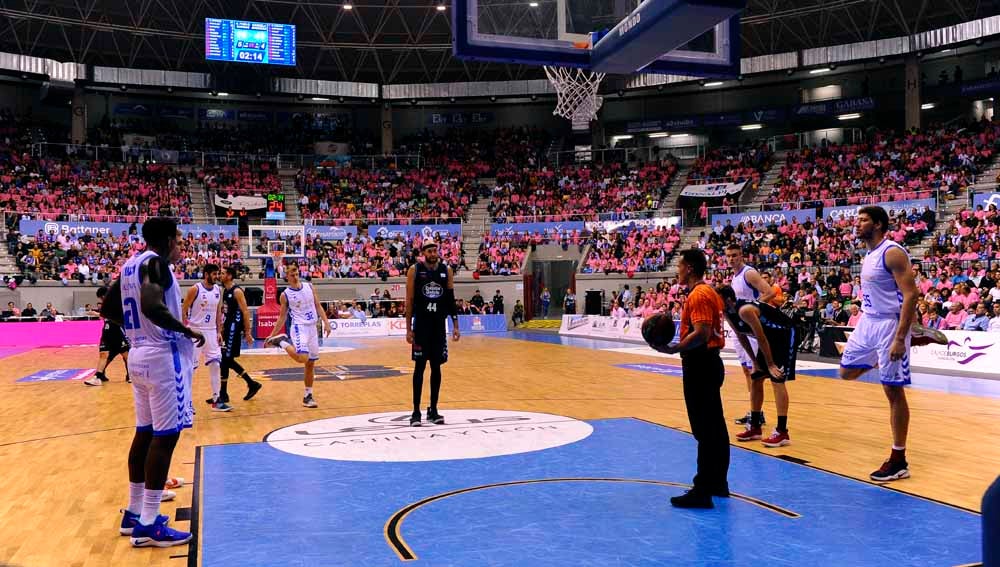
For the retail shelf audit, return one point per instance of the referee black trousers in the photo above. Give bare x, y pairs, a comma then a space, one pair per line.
703, 376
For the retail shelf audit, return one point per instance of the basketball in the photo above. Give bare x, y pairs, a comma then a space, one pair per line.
658, 330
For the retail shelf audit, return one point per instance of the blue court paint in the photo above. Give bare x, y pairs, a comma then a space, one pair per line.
259, 504
60, 375
665, 369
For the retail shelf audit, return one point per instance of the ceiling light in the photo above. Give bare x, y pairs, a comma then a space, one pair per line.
851, 116
714, 84
348, 6
818, 71
533, 4
751, 127
223, 94
679, 135
441, 8
319, 99
621, 137
927, 106
659, 135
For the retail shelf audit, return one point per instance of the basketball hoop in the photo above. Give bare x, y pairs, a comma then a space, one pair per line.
577, 99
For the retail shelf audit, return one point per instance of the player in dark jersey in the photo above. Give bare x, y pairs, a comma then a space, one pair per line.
235, 326
430, 300
113, 343
775, 359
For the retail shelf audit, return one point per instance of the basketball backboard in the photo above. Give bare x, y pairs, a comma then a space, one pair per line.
684, 37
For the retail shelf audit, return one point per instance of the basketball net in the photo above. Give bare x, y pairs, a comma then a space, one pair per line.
577, 99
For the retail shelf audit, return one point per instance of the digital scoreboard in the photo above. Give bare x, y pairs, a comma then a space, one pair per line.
275, 206
249, 42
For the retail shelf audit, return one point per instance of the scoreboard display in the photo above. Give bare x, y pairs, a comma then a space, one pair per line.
249, 42
275, 206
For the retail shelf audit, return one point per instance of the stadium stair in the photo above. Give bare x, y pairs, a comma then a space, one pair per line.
202, 203
477, 224
767, 183
669, 202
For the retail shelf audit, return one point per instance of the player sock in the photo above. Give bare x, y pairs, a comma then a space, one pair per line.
150, 506
285, 344
782, 423
214, 378
223, 389
756, 418
898, 454
309, 391
246, 378
135, 492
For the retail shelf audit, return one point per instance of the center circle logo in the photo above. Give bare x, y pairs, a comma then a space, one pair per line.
467, 434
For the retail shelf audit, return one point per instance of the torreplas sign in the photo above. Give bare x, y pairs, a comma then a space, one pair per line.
893, 208
466, 434
767, 218
425, 231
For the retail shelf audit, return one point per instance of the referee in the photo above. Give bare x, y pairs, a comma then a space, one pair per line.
701, 339
777, 344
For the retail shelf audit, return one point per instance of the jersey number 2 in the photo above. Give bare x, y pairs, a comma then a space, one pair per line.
131, 313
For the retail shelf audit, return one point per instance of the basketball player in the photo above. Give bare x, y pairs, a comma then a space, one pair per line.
203, 310
749, 286
146, 302
882, 337
113, 343
430, 299
235, 326
775, 359
299, 300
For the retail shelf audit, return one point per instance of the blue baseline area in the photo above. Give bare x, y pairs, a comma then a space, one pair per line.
261, 506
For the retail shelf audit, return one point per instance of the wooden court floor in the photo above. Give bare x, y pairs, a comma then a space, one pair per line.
63, 445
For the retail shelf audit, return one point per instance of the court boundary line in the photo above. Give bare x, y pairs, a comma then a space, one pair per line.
194, 547
393, 526
883, 485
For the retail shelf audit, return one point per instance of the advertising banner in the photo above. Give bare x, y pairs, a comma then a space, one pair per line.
384, 327
216, 114
623, 329
628, 225
331, 232
986, 199
541, 227
893, 208
177, 112
767, 217
426, 231
969, 351
237, 202
254, 116
713, 190
130, 109
79, 228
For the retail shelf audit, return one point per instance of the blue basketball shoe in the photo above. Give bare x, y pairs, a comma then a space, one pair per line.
158, 535
130, 521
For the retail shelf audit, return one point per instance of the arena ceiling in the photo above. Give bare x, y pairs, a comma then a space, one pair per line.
400, 41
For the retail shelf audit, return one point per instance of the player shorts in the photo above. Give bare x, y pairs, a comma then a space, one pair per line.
868, 347
113, 339
161, 387
232, 339
745, 358
210, 351
305, 339
430, 342
784, 352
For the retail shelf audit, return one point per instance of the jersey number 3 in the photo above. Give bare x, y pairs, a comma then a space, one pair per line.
131, 313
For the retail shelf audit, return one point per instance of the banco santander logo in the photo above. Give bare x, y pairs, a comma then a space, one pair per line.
466, 434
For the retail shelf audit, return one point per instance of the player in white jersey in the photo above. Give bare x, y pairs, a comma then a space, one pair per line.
299, 301
882, 337
146, 302
203, 312
750, 286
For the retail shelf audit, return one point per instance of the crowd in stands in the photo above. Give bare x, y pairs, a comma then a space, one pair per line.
241, 178
97, 259
579, 191
891, 167
649, 249
346, 195
732, 165
363, 256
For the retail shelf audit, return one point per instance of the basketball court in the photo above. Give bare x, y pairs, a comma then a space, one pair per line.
552, 449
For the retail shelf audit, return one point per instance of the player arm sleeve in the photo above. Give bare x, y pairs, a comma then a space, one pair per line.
155, 276
111, 307
449, 297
